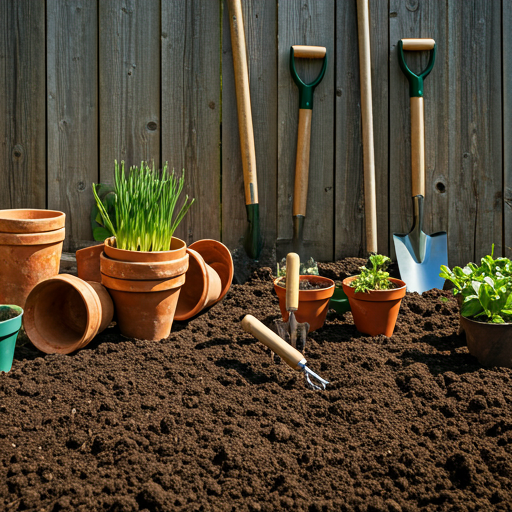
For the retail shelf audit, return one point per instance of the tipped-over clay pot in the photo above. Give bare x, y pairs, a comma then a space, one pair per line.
30, 251
313, 304
64, 313
10, 324
145, 287
207, 280
88, 263
375, 312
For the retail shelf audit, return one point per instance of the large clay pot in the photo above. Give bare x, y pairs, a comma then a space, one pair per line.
10, 324
491, 344
375, 312
145, 287
30, 251
64, 313
313, 304
88, 263
208, 278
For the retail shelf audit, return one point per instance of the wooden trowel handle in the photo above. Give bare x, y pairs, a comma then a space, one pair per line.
418, 146
300, 192
269, 338
292, 281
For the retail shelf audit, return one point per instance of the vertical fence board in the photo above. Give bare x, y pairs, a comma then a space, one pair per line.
463, 142
260, 26
307, 23
191, 109
22, 105
507, 126
129, 80
72, 113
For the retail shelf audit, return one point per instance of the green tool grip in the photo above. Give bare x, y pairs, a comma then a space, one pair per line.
415, 81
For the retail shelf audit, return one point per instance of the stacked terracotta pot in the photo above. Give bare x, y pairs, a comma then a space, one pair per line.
30, 251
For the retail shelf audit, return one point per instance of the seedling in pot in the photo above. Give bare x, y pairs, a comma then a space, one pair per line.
374, 275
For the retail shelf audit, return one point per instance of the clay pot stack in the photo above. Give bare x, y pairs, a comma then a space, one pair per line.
30, 251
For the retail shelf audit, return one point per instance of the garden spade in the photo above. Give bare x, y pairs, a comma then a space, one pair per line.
290, 355
292, 331
252, 238
419, 256
300, 192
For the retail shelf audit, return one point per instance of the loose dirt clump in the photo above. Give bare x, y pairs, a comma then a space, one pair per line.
204, 420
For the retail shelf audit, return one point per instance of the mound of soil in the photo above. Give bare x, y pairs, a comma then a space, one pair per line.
205, 421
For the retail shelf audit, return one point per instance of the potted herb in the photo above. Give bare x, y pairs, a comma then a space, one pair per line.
143, 265
485, 295
375, 297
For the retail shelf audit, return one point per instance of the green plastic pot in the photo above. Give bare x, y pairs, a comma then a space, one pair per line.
10, 324
339, 301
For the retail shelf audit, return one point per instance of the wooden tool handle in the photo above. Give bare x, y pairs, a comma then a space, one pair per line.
309, 52
370, 200
292, 281
243, 100
418, 146
300, 191
418, 44
269, 338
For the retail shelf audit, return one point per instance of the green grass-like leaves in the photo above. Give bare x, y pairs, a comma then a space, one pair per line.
145, 203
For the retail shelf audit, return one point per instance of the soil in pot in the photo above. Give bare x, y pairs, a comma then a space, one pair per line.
203, 419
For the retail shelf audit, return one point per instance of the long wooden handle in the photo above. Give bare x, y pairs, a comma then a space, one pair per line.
243, 100
418, 44
370, 200
300, 191
292, 281
418, 146
269, 338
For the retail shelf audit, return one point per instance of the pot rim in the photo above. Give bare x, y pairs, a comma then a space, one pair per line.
18, 220
18, 309
146, 286
144, 256
37, 238
305, 295
375, 295
466, 319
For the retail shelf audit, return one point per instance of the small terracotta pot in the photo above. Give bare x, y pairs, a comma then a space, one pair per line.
375, 312
145, 287
313, 304
491, 344
28, 257
208, 278
10, 324
88, 263
64, 313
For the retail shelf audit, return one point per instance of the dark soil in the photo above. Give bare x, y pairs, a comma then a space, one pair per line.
304, 284
204, 421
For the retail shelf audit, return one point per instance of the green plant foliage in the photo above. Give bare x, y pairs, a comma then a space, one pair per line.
309, 268
374, 275
486, 290
107, 197
144, 203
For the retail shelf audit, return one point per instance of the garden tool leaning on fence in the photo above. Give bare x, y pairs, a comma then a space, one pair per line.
290, 355
419, 256
300, 192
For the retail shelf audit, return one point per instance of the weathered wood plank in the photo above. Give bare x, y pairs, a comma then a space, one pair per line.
507, 126
129, 78
22, 105
191, 108
307, 23
260, 26
463, 142
72, 106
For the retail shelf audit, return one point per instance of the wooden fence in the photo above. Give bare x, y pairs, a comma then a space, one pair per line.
85, 82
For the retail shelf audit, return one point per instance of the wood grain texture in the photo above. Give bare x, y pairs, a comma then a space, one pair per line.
463, 140
129, 82
72, 106
312, 24
260, 24
191, 110
22, 105
507, 127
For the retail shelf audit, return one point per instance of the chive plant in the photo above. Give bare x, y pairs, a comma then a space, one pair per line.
144, 207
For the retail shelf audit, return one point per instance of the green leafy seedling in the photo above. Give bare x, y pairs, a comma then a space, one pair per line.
374, 276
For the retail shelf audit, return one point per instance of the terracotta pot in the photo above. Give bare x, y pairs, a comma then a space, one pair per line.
491, 344
375, 312
313, 304
145, 287
10, 324
64, 313
88, 263
28, 257
208, 278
